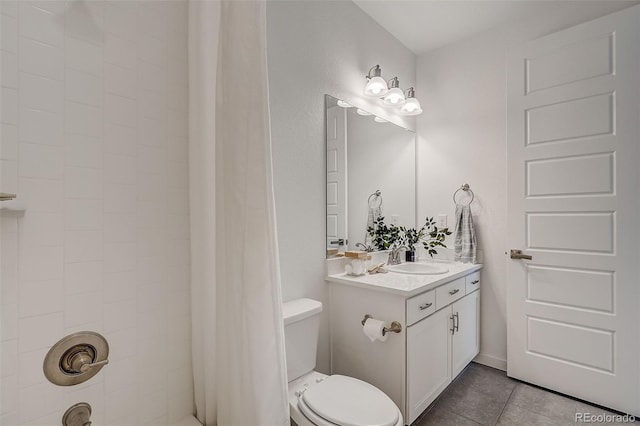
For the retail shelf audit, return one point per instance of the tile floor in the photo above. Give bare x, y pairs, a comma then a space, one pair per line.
482, 395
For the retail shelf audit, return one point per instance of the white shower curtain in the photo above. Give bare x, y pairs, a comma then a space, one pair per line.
237, 330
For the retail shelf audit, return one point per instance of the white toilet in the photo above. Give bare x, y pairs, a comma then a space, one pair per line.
321, 400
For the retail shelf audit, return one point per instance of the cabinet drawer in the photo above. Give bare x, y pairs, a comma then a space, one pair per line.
449, 293
472, 282
421, 306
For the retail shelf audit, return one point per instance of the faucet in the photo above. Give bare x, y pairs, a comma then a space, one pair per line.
394, 255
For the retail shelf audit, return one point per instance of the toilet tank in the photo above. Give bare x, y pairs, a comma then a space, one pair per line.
301, 327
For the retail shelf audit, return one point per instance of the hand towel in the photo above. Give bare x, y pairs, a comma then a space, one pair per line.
465, 236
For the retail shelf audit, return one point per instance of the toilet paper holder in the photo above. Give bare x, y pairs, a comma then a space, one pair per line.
396, 327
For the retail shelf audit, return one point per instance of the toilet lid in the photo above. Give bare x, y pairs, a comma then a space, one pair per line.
351, 402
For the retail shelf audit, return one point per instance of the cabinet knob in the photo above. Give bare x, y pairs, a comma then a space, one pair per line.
454, 291
425, 306
474, 282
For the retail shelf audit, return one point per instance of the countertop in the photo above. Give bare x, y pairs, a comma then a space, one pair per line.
406, 285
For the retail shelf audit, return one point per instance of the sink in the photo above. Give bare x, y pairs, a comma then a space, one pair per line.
417, 269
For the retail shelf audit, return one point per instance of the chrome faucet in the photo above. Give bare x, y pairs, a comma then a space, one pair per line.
394, 255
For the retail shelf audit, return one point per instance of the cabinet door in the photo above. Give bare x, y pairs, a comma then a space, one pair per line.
428, 361
465, 340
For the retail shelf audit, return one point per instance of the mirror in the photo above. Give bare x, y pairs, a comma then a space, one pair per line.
370, 171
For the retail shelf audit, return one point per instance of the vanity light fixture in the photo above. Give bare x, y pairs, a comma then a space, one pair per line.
376, 86
344, 104
362, 112
379, 120
394, 96
411, 105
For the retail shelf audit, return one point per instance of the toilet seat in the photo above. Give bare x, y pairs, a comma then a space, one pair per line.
346, 401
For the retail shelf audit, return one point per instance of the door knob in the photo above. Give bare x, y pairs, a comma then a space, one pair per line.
339, 241
517, 254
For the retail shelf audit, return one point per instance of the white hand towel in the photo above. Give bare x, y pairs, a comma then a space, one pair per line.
465, 236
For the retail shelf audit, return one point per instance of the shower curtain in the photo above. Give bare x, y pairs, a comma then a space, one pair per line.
237, 330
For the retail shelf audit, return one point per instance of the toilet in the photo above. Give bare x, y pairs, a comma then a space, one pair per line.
322, 400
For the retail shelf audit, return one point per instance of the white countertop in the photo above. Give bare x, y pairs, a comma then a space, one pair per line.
405, 284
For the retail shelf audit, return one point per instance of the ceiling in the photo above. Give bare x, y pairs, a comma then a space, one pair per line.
424, 25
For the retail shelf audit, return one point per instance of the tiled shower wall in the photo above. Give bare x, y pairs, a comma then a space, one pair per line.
94, 142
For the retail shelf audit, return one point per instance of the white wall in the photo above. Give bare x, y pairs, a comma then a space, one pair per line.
94, 140
317, 48
461, 139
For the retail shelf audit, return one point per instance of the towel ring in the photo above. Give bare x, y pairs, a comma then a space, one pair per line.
465, 188
376, 195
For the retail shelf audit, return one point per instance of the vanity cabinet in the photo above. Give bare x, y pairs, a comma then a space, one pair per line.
439, 337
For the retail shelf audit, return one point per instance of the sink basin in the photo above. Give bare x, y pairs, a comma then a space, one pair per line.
417, 269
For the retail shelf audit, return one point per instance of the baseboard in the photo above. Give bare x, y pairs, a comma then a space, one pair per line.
491, 361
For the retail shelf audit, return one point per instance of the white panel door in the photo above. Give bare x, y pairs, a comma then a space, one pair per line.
465, 340
573, 200
336, 177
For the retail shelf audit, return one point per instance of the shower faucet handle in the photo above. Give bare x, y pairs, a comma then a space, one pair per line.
85, 367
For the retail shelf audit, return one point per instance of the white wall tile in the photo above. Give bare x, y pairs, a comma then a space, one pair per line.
119, 257
82, 307
152, 104
122, 344
41, 25
120, 110
121, 81
152, 50
120, 139
119, 227
121, 52
41, 263
9, 35
121, 19
40, 332
41, 161
9, 7
41, 229
40, 297
42, 195
91, 92
83, 246
83, 277
41, 93
83, 215
8, 142
119, 286
9, 176
83, 88
38, 401
30, 364
41, 59
119, 198
83, 56
83, 119
119, 169
9, 399
83, 151
120, 375
9, 356
41, 127
9, 64
81, 182
85, 21
9, 324
9, 111
120, 315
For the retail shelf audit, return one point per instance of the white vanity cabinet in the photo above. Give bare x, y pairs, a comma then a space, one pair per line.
439, 337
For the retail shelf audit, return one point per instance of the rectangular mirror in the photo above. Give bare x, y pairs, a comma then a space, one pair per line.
370, 171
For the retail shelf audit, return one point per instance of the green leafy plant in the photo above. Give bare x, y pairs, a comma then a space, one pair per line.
386, 237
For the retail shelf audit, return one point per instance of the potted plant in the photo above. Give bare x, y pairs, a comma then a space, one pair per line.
385, 237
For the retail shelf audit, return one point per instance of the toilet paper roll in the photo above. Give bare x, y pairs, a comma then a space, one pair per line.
373, 330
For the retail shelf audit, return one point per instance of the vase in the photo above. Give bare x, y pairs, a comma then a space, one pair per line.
410, 255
